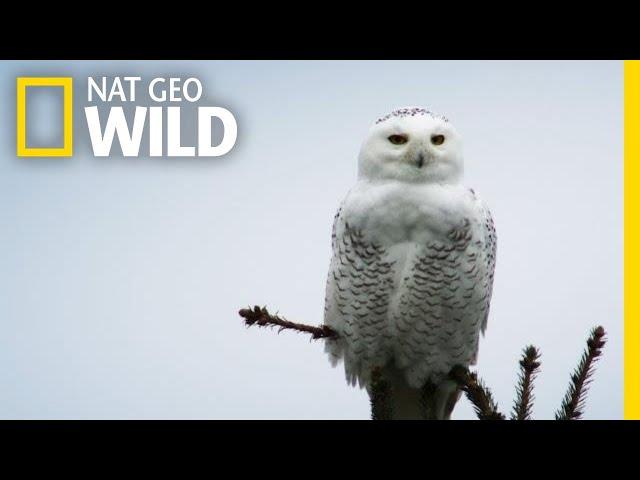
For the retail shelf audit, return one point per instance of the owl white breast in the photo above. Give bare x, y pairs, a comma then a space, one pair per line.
411, 276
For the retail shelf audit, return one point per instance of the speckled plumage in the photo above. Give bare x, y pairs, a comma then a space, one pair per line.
411, 112
411, 277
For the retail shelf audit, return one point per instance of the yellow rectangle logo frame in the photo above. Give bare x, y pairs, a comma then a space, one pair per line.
21, 124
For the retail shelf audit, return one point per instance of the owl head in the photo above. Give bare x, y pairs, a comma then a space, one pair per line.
412, 145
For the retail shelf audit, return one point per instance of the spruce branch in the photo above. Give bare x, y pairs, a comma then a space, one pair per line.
529, 366
573, 402
477, 393
474, 388
262, 318
380, 397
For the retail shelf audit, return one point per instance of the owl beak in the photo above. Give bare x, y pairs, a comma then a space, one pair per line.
420, 160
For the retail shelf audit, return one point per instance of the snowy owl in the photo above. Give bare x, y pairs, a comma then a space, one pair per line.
411, 276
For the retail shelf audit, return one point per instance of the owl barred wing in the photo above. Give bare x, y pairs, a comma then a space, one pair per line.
359, 286
490, 247
443, 301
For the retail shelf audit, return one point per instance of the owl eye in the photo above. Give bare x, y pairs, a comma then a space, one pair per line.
437, 139
398, 139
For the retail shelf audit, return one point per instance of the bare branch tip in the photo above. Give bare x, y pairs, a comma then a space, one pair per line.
261, 317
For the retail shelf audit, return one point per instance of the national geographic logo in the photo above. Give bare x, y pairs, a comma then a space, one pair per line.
66, 83
127, 108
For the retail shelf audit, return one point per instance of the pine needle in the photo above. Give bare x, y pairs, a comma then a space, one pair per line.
573, 403
262, 318
380, 396
477, 393
529, 366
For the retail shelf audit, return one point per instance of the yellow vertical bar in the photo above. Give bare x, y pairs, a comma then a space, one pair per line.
21, 121
631, 239
68, 116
